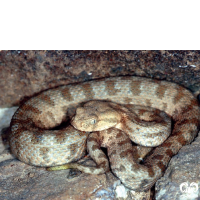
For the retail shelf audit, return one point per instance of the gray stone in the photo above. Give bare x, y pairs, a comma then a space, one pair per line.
182, 176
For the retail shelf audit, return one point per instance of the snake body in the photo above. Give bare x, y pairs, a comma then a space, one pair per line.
50, 108
145, 126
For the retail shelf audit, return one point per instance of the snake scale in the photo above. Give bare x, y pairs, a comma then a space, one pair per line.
33, 144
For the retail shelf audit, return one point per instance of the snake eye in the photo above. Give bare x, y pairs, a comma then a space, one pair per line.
93, 121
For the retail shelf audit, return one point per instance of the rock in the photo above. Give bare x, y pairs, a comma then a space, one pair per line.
181, 179
27, 182
5, 117
25, 73
19, 180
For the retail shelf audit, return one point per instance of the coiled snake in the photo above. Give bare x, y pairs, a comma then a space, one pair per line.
33, 144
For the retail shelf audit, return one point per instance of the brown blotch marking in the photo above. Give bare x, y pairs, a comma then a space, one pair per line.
135, 87
179, 95
149, 168
156, 112
161, 166
194, 102
169, 152
166, 144
187, 109
150, 172
47, 125
28, 107
122, 168
160, 91
136, 155
181, 140
158, 157
126, 141
185, 121
23, 123
119, 134
194, 121
110, 87
87, 89
66, 94
125, 153
108, 131
176, 132
155, 116
124, 123
148, 102
47, 99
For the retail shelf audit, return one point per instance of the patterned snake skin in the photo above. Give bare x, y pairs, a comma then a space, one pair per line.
145, 126
135, 122
156, 122
32, 143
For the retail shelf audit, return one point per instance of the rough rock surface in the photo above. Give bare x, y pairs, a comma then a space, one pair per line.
5, 117
24, 73
183, 168
29, 182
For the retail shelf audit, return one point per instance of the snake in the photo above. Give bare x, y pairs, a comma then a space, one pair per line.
35, 140
98, 117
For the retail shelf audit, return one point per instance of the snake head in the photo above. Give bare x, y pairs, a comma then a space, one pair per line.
95, 117
84, 120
